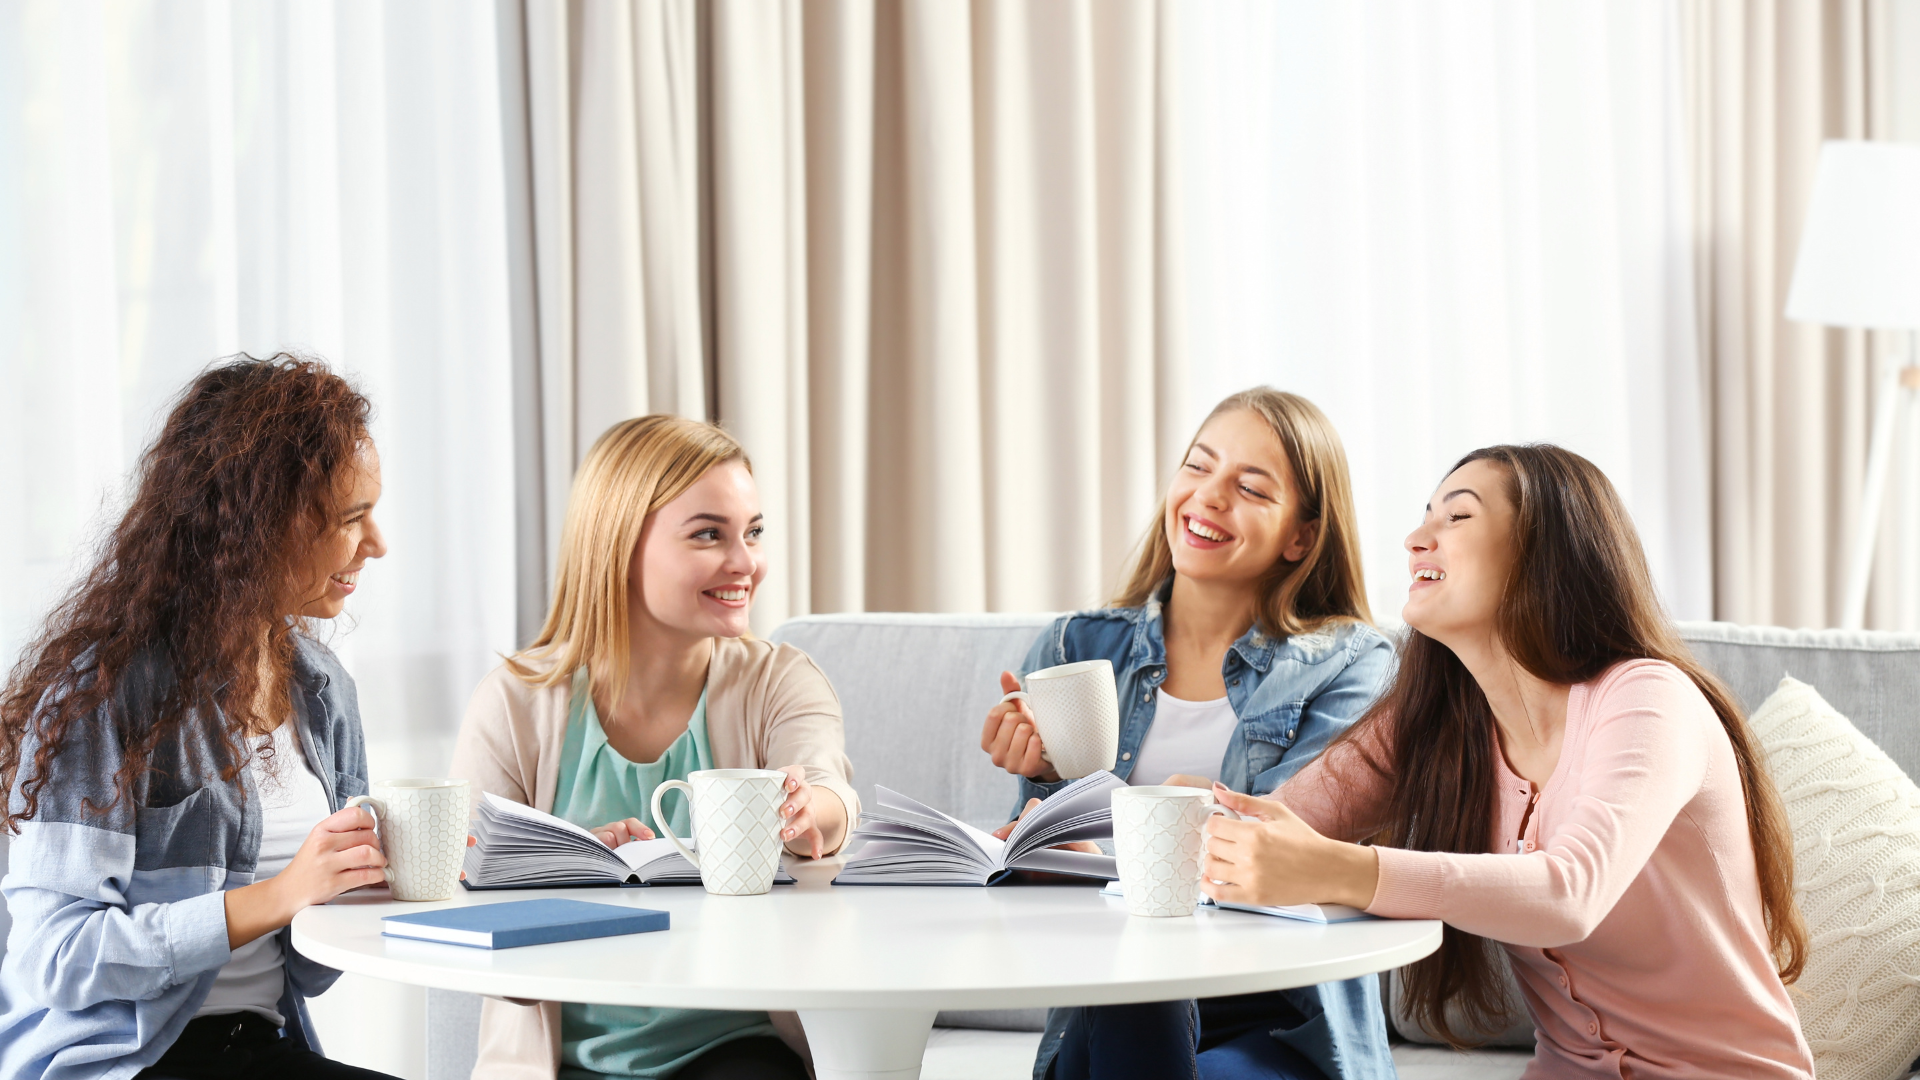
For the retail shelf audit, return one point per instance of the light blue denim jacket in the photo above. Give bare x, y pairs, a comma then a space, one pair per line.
119, 922
1293, 696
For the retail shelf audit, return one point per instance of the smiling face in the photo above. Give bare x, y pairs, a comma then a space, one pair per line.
1233, 511
1461, 555
698, 561
333, 563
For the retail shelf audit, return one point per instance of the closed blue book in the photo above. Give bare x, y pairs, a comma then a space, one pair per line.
523, 922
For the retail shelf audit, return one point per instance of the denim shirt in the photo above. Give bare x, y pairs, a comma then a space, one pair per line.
119, 917
1293, 696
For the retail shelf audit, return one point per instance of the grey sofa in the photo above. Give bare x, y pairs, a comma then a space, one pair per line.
914, 689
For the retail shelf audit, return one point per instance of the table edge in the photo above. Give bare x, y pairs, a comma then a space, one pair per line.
499, 984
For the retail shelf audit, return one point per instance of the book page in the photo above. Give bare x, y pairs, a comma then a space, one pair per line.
990, 846
509, 808
638, 854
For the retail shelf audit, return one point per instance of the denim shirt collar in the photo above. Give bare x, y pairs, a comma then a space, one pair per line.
1255, 648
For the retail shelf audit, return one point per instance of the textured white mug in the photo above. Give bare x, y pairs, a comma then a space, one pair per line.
1077, 713
422, 826
736, 827
1159, 840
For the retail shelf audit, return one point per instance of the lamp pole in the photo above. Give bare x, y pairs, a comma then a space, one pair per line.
1896, 393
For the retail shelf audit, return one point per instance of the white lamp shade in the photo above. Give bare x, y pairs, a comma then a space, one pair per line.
1859, 262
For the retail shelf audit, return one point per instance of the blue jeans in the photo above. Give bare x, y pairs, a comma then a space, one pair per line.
1210, 1039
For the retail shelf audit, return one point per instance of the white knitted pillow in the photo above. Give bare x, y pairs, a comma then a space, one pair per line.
1856, 837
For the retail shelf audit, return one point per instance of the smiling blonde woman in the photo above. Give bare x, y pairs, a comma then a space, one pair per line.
645, 672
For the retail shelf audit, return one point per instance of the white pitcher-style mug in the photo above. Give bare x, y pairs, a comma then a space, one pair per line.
422, 825
736, 827
1159, 844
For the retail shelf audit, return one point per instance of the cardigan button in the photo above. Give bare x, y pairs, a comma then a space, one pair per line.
1126, 757
1146, 697
1593, 1028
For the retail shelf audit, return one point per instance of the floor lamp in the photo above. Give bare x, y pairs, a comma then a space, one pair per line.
1859, 266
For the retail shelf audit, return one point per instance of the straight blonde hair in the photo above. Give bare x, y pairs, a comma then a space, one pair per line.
634, 468
1327, 584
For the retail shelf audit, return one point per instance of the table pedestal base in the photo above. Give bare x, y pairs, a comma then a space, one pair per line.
867, 1044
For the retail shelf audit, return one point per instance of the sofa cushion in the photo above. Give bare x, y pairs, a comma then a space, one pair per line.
1856, 827
1871, 678
1518, 1033
914, 691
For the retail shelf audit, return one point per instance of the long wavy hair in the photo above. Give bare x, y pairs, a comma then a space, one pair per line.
1327, 584
1578, 600
195, 579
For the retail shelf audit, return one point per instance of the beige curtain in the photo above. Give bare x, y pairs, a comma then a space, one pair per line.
1768, 81
915, 254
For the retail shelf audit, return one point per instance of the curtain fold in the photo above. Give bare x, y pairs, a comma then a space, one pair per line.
1768, 82
1452, 225
914, 255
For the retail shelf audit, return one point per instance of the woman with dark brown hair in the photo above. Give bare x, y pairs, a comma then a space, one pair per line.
177, 748
1551, 771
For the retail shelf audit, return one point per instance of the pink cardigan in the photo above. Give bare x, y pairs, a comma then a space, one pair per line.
1630, 905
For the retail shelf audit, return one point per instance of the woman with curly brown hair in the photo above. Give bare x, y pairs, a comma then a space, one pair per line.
177, 748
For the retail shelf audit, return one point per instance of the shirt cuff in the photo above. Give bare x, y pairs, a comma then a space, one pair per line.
1409, 885
197, 934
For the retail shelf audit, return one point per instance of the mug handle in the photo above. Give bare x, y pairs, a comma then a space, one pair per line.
1022, 695
379, 811
1216, 810
666, 830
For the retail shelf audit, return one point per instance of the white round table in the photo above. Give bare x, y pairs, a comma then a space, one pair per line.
868, 967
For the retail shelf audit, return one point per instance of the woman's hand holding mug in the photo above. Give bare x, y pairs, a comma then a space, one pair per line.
1011, 738
341, 853
801, 832
1271, 857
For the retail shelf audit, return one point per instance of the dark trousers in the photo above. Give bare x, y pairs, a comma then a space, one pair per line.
1210, 1039
245, 1046
758, 1057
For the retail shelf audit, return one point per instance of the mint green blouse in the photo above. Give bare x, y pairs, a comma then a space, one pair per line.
597, 785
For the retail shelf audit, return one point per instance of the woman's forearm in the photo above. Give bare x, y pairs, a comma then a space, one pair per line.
254, 911
830, 816
1354, 872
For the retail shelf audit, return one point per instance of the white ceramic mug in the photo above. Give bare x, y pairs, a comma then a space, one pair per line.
422, 825
1076, 710
736, 827
1159, 842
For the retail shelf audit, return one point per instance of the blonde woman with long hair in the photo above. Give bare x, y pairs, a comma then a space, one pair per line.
1242, 647
644, 672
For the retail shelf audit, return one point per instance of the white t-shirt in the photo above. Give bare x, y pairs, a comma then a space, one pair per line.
292, 802
1186, 737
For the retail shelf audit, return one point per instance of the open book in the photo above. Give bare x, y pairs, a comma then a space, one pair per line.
518, 847
905, 842
1313, 913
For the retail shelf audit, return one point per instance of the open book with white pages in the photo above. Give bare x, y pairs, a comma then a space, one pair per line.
1313, 913
902, 841
518, 847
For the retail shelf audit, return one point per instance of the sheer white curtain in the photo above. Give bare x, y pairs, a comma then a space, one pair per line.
185, 181
181, 181
1452, 225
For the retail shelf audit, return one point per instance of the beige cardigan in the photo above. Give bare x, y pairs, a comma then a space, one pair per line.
767, 706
